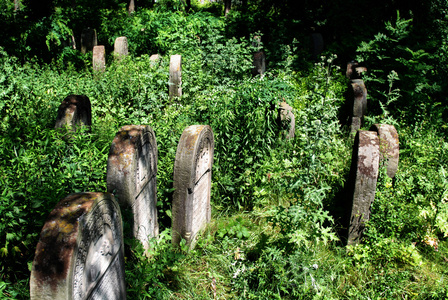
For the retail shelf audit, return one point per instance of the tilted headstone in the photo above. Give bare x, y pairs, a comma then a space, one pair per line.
389, 147
74, 111
359, 103
99, 58
364, 173
131, 176
175, 83
88, 40
286, 116
121, 47
80, 251
192, 183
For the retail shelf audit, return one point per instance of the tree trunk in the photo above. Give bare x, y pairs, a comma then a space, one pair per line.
227, 6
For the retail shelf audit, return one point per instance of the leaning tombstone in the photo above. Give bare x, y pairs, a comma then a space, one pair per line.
74, 111
389, 147
99, 58
175, 81
80, 251
192, 183
363, 178
286, 117
88, 40
359, 98
131, 176
121, 47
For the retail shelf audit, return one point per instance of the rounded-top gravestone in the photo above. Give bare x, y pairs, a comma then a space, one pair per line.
74, 111
192, 183
363, 178
131, 176
80, 251
121, 47
389, 147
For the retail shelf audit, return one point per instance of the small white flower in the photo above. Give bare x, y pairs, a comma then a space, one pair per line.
315, 266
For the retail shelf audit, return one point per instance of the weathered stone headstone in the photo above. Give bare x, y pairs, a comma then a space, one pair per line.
364, 174
80, 251
359, 103
389, 147
317, 42
99, 58
131, 176
121, 47
259, 63
74, 111
155, 57
88, 40
192, 183
286, 116
175, 83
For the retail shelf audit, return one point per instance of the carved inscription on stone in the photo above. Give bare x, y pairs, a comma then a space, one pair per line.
192, 183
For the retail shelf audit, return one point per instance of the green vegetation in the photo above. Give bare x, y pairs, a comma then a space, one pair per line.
277, 229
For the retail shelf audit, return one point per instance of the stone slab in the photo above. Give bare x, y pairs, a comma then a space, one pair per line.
175, 80
365, 167
99, 58
389, 147
259, 63
88, 40
192, 183
131, 176
80, 251
121, 47
286, 116
74, 111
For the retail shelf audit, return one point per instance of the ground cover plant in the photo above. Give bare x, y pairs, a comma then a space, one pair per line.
276, 229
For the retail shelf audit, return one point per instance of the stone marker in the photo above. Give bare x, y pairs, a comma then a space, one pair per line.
155, 57
88, 40
286, 116
354, 70
364, 173
99, 58
74, 111
389, 147
175, 83
192, 183
131, 176
121, 47
259, 63
359, 103
80, 251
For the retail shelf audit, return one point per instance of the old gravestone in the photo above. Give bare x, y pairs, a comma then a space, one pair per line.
359, 101
121, 47
80, 251
74, 111
175, 81
363, 178
259, 58
99, 58
88, 40
389, 147
192, 183
155, 57
286, 117
354, 70
131, 176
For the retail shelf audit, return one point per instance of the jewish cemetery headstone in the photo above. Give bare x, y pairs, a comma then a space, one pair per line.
131, 176
99, 58
74, 111
175, 81
88, 40
121, 47
286, 117
192, 183
389, 147
354, 70
359, 98
80, 251
317, 44
259, 63
363, 178
155, 57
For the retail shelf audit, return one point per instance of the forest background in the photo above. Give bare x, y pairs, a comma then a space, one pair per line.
277, 229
